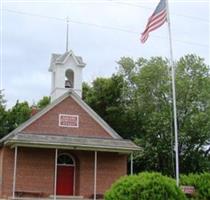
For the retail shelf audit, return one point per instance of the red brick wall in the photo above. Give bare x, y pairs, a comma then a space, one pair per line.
111, 166
35, 170
48, 123
1, 170
86, 172
7, 169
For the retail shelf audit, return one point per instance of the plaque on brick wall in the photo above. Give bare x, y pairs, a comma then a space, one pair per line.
68, 120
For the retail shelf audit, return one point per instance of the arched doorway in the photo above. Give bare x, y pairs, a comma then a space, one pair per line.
65, 175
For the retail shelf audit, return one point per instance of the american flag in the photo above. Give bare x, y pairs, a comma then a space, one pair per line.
157, 19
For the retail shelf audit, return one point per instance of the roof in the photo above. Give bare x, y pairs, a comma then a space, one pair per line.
69, 142
77, 98
116, 143
62, 58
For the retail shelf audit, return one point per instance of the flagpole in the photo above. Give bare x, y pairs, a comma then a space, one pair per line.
173, 96
67, 34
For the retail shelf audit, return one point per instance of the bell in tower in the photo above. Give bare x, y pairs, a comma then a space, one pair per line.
69, 82
66, 70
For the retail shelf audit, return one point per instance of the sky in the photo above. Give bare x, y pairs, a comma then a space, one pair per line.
100, 31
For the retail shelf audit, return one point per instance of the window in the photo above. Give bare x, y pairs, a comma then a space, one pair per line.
65, 159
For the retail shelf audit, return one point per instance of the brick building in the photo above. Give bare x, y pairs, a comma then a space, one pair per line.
66, 149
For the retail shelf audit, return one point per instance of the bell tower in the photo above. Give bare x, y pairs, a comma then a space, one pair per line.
66, 72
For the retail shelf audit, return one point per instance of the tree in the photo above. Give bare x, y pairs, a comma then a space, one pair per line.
149, 81
193, 84
148, 90
22, 111
143, 110
3, 116
42, 103
18, 114
104, 96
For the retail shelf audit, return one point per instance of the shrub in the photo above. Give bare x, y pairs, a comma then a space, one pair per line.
145, 186
201, 182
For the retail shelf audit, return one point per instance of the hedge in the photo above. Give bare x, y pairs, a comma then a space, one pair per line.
201, 182
145, 186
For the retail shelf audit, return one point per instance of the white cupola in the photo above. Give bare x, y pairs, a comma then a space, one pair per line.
66, 72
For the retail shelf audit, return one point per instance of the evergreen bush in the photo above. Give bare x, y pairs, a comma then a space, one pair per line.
201, 182
145, 186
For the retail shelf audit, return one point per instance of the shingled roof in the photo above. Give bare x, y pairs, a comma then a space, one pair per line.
114, 144
69, 142
62, 58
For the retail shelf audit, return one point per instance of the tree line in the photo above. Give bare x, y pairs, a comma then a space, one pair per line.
137, 102
17, 114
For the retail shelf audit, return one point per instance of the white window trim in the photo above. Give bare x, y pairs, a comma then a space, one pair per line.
59, 121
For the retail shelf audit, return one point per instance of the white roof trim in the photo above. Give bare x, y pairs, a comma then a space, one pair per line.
82, 148
70, 53
76, 97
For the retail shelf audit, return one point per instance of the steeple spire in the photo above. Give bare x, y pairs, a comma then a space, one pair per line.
67, 34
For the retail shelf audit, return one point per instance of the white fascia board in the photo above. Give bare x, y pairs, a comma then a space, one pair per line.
72, 146
71, 53
66, 58
76, 61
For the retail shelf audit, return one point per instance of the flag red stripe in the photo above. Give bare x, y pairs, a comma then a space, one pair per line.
154, 17
156, 26
146, 34
153, 25
156, 20
144, 39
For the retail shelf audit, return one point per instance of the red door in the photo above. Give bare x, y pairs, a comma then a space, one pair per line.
65, 180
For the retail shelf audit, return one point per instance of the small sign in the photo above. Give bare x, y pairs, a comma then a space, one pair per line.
68, 120
188, 189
